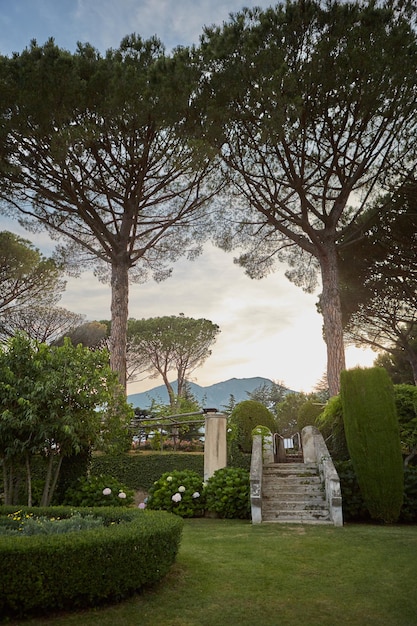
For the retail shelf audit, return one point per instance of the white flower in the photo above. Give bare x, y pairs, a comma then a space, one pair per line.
181, 489
142, 505
196, 494
176, 497
106, 491
122, 495
169, 479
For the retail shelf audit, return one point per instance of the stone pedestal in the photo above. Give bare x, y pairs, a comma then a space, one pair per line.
215, 447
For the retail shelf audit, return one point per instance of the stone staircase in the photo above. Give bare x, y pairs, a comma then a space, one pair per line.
293, 493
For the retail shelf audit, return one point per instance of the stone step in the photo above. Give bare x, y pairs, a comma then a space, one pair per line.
298, 517
293, 497
291, 487
290, 505
290, 469
293, 493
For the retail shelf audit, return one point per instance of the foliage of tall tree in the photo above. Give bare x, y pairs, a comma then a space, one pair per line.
89, 334
27, 278
269, 394
170, 344
54, 402
397, 365
311, 108
41, 323
373, 439
379, 278
92, 150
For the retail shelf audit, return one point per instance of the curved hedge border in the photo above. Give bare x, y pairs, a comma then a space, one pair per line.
78, 569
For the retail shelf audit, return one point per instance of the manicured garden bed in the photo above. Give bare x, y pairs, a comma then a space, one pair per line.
44, 572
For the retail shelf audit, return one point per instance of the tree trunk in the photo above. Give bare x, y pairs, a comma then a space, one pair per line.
412, 359
29, 479
332, 318
48, 478
7, 482
119, 316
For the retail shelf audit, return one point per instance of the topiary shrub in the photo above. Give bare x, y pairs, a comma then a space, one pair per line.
244, 418
98, 491
372, 435
41, 573
227, 493
179, 492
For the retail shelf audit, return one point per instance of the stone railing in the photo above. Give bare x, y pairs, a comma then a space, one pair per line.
256, 479
315, 451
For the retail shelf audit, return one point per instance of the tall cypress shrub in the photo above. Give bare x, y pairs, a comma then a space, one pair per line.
373, 439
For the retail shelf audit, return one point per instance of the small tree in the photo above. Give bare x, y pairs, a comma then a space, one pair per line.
54, 402
161, 345
372, 435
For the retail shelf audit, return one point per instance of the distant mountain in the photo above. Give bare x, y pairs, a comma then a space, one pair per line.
214, 396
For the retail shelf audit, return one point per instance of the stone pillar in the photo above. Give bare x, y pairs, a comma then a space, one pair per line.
215, 447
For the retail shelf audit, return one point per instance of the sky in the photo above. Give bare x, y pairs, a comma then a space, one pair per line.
269, 327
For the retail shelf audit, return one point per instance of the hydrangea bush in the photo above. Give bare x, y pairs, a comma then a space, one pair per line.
180, 492
228, 493
99, 491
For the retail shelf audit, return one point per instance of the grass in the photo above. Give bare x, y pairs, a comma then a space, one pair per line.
230, 572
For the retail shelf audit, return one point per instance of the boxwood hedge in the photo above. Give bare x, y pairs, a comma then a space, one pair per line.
83, 568
140, 471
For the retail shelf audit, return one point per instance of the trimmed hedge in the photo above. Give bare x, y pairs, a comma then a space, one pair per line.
83, 568
140, 471
354, 508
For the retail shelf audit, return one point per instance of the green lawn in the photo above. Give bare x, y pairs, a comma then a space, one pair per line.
232, 573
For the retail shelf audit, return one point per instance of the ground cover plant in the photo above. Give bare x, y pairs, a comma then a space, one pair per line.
231, 572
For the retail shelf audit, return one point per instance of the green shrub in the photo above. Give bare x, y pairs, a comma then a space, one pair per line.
372, 435
227, 493
141, 470
78, 569
330, 423
179, 492
409, 507
98, 491
354, 507
244, 418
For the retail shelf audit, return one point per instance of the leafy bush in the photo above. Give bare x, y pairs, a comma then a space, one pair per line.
98, 491
244, 418
354, 508
373, 439
68, 571
330, 423
409, 507
140, 470
228, 493
180, 492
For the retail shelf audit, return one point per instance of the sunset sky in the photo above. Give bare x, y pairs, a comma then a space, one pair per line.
269, 328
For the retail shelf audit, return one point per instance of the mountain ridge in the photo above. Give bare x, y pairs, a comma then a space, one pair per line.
213, 396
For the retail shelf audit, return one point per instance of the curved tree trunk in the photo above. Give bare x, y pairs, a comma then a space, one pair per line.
332, 319
119, 316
